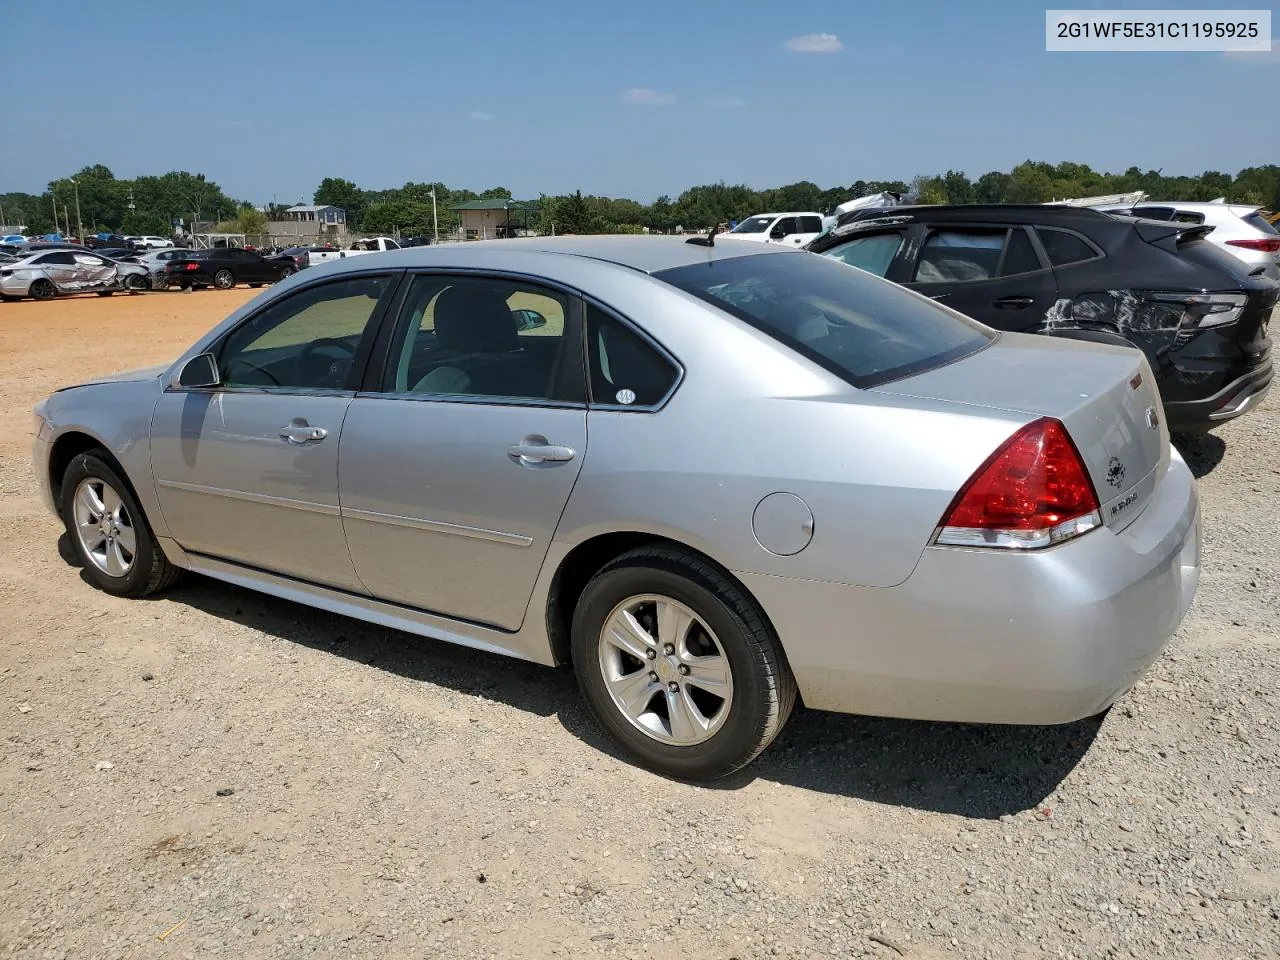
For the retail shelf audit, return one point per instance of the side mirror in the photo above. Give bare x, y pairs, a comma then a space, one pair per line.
527, 319
776, 233
200, 371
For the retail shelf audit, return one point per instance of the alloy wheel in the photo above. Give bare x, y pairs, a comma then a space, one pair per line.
665, 670
224, 280
104, 528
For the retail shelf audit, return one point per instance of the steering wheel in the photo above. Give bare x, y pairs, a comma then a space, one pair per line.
335, 369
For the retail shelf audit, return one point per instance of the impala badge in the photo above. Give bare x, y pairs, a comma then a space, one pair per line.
1153, 418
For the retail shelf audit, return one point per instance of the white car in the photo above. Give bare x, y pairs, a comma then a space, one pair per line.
370, 245
150, 243
1237, 228
791, 229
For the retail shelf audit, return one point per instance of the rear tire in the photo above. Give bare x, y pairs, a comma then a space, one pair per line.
224, 280
728, 637
287, 272
105, 293
109, 531
136, 283
42, 289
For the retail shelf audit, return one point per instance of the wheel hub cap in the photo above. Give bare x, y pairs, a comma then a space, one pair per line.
103, 527
665, 670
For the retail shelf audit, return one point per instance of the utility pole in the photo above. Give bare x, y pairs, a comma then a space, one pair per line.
79, 224
66, 218
435, 221
53, 196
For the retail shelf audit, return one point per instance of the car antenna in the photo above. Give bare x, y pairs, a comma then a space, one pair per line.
708, 241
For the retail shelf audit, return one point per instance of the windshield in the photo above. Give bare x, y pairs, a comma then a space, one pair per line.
865, 330
753, 225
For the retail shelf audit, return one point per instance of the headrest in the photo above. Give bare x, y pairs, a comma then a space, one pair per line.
474, 318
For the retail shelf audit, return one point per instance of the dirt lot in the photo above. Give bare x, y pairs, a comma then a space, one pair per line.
401, 798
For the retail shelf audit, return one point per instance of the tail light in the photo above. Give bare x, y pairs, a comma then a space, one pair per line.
191, 266
1032, 492
1201, 310
1266, 244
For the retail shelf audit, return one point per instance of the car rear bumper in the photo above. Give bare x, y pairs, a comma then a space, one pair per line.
1235, 399
992, 637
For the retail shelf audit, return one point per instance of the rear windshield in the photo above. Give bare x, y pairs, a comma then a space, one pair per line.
865, 330
1257, 220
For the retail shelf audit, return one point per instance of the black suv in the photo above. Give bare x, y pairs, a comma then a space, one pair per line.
1065, 271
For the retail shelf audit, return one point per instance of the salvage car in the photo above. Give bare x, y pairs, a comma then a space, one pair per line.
46, 274
792, 229
225, 267
1197, 313
716, 478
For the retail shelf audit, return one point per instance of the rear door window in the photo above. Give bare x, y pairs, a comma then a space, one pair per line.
953, 254
810, 224
1019, 255
873, 253
784, 227
1064, 248
624, 368
863, 329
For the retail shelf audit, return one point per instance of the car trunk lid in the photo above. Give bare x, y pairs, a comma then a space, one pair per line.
1105, 396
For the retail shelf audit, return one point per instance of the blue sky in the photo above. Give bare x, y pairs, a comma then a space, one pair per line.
625, 100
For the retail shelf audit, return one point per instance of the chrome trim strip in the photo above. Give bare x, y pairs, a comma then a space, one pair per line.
310, 507
437, 526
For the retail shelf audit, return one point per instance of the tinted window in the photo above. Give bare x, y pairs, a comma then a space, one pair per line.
863, 329
960, 254
624, 368
62, 259
870, 253
473, 337
1064, 248
89, 260
305, 341
1258, 221
784, 227
810, 224
1153, 213
1187, 216
1019, 255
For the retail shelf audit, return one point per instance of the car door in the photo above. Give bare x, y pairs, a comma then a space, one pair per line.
994, 274
782, 228
94, 272
60, 267
457, 461
248, 471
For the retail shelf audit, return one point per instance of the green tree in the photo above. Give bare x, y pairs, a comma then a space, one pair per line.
991, 187
929, 190
496, 193
248, 220
957, 187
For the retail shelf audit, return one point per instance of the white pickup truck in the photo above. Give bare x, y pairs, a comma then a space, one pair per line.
372, 245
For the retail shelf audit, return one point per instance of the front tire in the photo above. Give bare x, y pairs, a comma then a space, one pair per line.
42, 289
105, 293
136, 283
224, 280
109, 531
678, 664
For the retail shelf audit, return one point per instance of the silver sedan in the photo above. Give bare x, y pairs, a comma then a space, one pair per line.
714, 479
46, 274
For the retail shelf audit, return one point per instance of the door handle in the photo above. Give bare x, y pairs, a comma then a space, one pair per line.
1014, 303
299, 432
537, 450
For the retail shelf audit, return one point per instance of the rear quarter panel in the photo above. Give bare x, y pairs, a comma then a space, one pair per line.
750, 419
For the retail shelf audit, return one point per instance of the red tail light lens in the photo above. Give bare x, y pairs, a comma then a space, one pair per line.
1032, 492
1267, 244
192, 266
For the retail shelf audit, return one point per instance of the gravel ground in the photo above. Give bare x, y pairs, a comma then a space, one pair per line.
216, 774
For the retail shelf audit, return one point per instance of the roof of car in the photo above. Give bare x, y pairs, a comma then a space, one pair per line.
648, 254
1006, 212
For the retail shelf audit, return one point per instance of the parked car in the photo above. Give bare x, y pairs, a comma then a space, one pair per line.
1239, 229
935, 522
317, 255
792, 229
45, 274
302, 254
113, 241
156, 260
1196, 312
151, 243
224, 267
